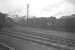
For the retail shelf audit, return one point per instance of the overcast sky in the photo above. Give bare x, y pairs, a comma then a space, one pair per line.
38, 8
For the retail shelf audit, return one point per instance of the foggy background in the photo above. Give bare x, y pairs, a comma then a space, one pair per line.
38, 8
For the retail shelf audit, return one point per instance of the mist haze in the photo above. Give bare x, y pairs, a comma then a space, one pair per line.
38, 8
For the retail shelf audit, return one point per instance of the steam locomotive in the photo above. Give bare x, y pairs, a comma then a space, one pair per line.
2, 20
70, 24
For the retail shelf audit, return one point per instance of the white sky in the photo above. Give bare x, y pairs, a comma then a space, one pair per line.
39, 8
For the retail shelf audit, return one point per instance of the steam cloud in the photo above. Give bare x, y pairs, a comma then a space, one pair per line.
46, 9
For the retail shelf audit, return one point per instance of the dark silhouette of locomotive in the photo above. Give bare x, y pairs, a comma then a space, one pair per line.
70, 24
2, 20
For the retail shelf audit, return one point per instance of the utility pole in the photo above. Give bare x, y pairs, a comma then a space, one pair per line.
27, 11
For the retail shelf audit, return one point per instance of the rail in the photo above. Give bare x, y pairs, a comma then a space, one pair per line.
44, 39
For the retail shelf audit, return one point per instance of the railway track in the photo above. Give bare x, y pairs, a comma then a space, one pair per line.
44, 39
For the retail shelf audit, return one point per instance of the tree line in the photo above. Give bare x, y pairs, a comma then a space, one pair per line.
65, 23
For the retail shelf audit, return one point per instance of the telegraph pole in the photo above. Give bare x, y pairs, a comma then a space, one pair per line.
27, 11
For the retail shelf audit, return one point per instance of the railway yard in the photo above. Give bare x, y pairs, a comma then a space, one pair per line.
61, 42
